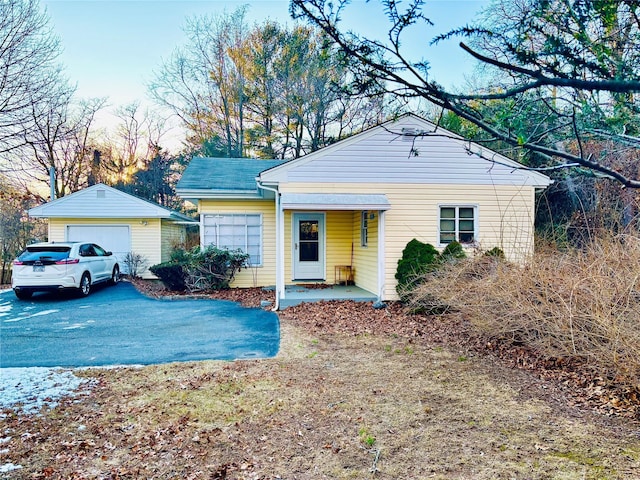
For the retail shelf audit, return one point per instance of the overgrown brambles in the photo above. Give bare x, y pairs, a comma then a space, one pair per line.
576, 304
197, 270
419, 259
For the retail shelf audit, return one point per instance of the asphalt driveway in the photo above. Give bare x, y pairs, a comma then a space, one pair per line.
119, 326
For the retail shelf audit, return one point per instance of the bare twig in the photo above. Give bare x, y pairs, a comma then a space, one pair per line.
374, 467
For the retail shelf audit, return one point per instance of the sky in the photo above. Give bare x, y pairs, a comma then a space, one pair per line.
112, 47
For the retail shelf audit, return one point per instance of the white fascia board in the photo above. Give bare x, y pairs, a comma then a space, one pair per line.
334, 201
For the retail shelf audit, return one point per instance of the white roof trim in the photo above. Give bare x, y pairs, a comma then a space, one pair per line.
334, 201
136, 206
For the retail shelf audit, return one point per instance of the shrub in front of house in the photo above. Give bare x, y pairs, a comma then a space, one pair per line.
417, 259
453, 251
212, 268
171, 274
495, 252
198, 269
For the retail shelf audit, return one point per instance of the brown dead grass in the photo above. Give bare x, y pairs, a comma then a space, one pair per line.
354, 393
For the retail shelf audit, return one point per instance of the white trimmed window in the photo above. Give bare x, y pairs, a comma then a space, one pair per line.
235, 232
364, 229
458, 223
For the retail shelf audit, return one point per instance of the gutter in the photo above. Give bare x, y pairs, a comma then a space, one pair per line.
276, 307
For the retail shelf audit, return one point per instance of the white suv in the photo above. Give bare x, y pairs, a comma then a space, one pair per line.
60, 266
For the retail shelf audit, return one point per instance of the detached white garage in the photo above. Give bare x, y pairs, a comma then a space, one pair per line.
117, 221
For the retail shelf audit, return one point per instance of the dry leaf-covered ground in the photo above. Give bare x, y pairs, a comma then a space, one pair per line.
354, 393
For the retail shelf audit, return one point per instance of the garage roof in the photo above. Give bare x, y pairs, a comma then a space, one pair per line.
102, 201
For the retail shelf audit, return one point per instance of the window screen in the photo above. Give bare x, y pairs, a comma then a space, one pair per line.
236, 232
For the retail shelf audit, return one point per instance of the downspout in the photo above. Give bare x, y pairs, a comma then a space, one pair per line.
279, 241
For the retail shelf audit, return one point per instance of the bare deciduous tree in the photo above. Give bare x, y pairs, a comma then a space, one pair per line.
28, 69
134, 143
203, 82
61, 139
269, 90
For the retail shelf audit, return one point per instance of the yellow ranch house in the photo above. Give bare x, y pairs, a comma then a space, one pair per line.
343, 214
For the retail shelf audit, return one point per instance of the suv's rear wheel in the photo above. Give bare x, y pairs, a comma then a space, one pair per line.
23, 294
115, 275
85, 285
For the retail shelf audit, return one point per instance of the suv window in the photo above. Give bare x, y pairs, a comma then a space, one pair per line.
47, 253
87, 250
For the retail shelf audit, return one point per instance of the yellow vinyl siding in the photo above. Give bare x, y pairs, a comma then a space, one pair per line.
504, 220
254, 276
365, 261
145, 235
172, 235
339, 240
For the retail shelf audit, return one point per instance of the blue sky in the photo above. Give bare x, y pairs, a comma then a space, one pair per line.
111, 47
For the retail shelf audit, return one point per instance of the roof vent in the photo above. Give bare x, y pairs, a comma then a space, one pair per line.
100, 194
409, 134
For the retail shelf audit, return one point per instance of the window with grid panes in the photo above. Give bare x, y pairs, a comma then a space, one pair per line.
364, 229
457, 223
235, 232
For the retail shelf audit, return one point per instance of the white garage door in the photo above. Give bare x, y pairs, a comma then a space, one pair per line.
115, 238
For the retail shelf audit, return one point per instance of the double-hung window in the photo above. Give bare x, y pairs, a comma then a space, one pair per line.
235, 232
458, 223
364, 228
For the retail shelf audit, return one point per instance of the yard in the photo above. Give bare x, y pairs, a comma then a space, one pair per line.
354, 393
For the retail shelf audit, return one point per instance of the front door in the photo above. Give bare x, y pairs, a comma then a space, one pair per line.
308, 246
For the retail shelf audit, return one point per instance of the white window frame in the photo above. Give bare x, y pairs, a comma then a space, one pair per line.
364, 229
457, 208
216, 226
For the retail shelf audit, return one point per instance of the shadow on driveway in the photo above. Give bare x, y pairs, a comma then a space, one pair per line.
119, 326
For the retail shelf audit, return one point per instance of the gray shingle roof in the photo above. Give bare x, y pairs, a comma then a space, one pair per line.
224, 174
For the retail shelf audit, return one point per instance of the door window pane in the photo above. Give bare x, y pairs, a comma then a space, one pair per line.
308, 236
309, 252
308, 230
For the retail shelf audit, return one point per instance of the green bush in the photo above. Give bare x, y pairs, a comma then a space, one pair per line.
213, 268
495, 252
171, 274
452, 251
417, 259
197, 270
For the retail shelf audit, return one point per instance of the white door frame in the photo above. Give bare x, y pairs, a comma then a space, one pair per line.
308, 270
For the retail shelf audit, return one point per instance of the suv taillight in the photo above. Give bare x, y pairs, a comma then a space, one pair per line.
17, 262
68, 261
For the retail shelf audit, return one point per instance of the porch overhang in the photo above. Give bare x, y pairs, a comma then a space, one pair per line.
334, 201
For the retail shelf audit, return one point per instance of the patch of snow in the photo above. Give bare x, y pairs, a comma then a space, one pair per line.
29, 389
9, 467
44, 312
5, 308
75, 326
